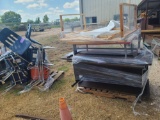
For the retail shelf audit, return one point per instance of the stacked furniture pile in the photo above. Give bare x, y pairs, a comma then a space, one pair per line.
105, 58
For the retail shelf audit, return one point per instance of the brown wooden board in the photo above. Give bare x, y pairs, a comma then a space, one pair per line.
110, 94
150, 31
55, 77
113, 91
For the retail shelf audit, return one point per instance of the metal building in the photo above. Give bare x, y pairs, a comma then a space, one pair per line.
102, 11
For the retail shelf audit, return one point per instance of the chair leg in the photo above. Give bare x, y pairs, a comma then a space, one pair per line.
131, 49
74, 49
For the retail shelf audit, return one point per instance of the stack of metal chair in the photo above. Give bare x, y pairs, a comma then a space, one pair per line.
25, 63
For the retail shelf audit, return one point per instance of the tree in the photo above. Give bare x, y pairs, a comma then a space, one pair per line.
66, 20
45, 19
37, 20
0, 20
11, 17
75, 19
30, 21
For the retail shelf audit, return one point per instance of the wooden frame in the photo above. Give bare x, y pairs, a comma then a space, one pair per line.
122, 19
118, 38
61, 20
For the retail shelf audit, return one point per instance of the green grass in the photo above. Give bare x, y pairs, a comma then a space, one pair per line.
64, 68
56, 26
58, 85
4, 86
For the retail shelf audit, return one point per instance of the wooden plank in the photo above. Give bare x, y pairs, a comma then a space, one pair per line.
135, 17
110, 87
110, 94
84, 22
58, 75
97, 42
150, 31
109, 37
122, 17
61, 20
55, 78
61, 23
74, 38
113, 36
70, 14
121, 20
127, 4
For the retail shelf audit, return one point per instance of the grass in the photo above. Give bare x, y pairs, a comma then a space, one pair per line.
56, 26
64, 68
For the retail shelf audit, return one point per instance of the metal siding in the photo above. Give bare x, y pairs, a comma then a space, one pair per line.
103, 9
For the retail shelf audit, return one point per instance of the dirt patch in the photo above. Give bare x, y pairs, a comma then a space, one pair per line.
82, 106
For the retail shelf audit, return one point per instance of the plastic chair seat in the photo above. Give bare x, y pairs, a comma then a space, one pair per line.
13, 41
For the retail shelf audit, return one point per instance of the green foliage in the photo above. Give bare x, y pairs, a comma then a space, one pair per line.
18, 27
11, 17
66, 20
0, 20
30, 21
75, 19
37, 20
70, 20
45, 19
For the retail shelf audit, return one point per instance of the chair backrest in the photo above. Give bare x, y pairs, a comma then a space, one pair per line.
13, 41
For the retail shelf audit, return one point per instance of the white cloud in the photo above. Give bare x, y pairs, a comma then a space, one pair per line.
51, 8
3, 11
51, 14
43, 4
73, 4
77, 9
37, 5
48, 13
56, 11
34, 5
23, 1
25, 16
40, 1
19, 11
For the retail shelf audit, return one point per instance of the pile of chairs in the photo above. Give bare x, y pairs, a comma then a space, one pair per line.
24, 61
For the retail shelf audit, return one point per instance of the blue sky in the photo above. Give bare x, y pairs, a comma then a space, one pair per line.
31, 9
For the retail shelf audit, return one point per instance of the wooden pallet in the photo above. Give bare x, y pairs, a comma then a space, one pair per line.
110, 90
56, 77
110, 94
41, 85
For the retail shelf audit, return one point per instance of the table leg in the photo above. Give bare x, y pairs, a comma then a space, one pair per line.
74, 49
87, 47
131, 49
125, 49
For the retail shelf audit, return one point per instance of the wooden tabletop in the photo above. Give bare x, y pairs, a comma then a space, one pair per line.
150, 31
77, 39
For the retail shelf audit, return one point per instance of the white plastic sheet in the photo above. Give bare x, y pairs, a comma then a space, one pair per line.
94, 33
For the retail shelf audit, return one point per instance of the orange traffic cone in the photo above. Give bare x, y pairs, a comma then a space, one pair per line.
64, 111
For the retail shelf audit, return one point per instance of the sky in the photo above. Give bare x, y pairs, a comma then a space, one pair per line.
31, 9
